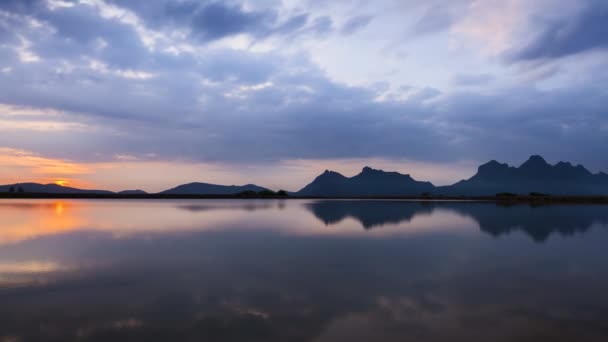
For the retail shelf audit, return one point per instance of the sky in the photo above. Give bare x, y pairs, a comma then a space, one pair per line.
125, 94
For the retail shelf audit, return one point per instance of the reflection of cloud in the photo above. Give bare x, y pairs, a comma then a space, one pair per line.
14, 273
28, 220
259, 282
107, 327
29, 267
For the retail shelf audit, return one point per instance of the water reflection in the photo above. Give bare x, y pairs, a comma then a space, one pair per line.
247, 206
538, 222
369, 213
156, 271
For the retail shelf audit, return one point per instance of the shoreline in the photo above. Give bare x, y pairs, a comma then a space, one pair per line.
498, 199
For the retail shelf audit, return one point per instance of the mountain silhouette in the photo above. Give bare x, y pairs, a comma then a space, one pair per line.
537, 222
211, 189
369, 182
535, 175
132, 192
50, 189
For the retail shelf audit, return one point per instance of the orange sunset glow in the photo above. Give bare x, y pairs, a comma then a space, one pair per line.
62, 182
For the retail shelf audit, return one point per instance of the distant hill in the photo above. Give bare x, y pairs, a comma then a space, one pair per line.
132, 192
49, 189
533, 176
369, 182
211, 189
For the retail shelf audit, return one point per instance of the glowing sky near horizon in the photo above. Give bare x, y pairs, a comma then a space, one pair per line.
124, 94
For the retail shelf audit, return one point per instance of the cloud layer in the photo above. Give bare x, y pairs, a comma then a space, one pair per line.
268, 82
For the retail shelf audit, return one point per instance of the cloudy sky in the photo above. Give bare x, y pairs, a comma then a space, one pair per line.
149, 94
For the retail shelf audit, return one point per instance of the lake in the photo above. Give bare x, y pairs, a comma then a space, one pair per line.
301, 270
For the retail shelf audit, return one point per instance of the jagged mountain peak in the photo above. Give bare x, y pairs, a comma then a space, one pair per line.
535, 161
563, 164
369, 171
534, 175
493, 164
331, 174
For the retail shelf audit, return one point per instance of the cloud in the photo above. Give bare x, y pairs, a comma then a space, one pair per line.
208, 21
20, 6
78, 31
293, 24
26, 166
436, 18
322, 25
139, 78
355, 24
217, 20
461, 79
567, 35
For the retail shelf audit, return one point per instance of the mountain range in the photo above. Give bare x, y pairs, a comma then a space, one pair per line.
369, 182
533, 176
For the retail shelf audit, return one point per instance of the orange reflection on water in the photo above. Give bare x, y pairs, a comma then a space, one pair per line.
59, 208
23, 220
26, 220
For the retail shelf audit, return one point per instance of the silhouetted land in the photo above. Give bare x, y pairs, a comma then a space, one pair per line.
502, 199
533, 181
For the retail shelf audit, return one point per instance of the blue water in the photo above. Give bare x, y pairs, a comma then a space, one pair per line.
298, 270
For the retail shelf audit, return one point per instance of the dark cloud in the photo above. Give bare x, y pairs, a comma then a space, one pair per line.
229, 105
7, 36
212, 20
20, 6
355, 24
569, 35
80, 29
217, 20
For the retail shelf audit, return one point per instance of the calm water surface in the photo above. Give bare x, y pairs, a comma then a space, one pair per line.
231, 270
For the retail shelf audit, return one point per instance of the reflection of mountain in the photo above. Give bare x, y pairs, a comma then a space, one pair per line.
538, 222
247, 206
370, 213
